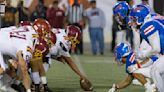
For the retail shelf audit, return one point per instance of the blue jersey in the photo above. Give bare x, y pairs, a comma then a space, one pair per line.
156, 24
131, 60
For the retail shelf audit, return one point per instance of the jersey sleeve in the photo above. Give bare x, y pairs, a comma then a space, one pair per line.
149, 28
59, 50
130, 61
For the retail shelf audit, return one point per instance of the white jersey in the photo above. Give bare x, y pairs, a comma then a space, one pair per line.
62, 46
14, 39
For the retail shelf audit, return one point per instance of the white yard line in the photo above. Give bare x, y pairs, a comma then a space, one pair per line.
99, 61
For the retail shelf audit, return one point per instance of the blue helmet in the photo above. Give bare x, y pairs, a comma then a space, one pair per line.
122, 50
139, 13
121, 9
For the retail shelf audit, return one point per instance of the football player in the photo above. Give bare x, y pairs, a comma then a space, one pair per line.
120, 11
124, 55
46, 40
151, 29
7, 78
18, 43
66, 39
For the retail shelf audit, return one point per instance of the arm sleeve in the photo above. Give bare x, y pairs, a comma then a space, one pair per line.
143, 49
154, 41
150, 32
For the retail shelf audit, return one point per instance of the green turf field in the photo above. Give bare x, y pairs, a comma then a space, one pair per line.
101, 70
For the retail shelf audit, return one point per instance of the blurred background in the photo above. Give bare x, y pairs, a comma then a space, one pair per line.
22, 10
101, 70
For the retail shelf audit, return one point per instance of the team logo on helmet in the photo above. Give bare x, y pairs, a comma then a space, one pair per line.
73, 35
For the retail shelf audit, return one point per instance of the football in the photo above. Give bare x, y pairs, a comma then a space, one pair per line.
86, 85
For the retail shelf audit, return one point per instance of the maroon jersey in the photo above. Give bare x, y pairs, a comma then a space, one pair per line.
55, 17
42, 47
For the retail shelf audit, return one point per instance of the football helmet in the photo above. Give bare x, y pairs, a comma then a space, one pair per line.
73, 35
51, 39
121, 11
42, 27
138, 14
122, 50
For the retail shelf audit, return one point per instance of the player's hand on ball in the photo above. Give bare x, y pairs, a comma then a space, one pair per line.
113, 89
86, 85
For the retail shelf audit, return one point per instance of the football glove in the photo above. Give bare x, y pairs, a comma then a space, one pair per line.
113, 89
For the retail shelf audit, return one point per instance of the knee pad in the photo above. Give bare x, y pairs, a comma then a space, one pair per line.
46, 66
36, 77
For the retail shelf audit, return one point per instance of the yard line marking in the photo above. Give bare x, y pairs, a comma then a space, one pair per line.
99, 61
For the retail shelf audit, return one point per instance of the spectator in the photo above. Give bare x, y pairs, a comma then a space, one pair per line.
10, 15
96, 19
74, 15
22, 12
40, 12
56, 16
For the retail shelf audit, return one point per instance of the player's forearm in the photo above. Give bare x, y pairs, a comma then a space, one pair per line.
23, 67
1, 71
154, 51
20, 58
154, 41
125, 83
147, 62
141, 78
